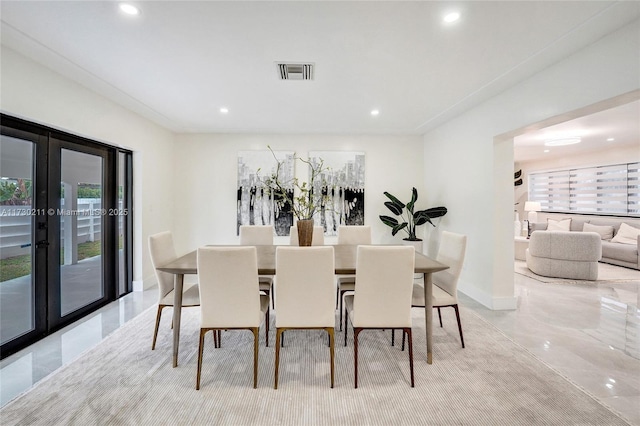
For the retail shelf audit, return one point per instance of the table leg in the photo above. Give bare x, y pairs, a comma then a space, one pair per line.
428, 315
177, 311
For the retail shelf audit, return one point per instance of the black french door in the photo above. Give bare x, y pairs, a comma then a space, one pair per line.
65, 229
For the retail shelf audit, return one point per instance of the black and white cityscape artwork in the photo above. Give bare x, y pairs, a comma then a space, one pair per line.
343, 203
256, 204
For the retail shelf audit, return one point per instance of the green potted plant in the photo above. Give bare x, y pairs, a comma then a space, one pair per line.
304, 198
409, 219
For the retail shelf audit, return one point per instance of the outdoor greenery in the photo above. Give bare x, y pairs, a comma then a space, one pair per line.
88, 249
18, 192
15, 192
88, 190
410, 219
19, 266
14, 267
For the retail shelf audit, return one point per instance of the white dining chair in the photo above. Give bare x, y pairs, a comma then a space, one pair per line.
162, 251
445, 283
350, 235
317, 239
305, 294
259, 235
382, 297
229, 297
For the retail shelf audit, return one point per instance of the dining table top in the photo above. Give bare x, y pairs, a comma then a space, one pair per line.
345, 261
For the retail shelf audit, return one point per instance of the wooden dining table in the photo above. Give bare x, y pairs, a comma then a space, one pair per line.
345, 264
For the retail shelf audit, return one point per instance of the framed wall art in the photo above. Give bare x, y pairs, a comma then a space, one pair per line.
256, 204
342, 189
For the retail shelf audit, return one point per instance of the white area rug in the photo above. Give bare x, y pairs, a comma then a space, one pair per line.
606, 274
492, 382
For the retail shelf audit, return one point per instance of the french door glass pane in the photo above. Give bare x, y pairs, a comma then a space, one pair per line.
16, 226
81, 218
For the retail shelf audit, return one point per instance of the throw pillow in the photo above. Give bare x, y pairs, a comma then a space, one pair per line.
606, 232
627, 234
558, 225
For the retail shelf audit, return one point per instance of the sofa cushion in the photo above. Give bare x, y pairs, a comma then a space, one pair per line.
606, 232
577, 224
623, 252
558, 225
627, 234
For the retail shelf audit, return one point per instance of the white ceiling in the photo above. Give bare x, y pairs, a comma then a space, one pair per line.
620, 123
179, 62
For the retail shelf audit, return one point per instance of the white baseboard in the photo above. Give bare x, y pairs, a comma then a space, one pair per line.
488, 300
138, 285
144, 284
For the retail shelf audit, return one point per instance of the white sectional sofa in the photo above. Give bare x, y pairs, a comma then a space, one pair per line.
615, 253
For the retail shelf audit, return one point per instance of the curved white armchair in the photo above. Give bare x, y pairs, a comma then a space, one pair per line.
305, 294
382, 298
229, 297
162, 252
317, 239
445, 283
259, 235
351, 235
565, 254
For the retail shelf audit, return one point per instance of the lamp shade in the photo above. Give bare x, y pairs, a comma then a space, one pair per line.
532, 206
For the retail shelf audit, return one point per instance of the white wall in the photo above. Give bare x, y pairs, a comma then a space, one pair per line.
471, 171
36, 93
205, 202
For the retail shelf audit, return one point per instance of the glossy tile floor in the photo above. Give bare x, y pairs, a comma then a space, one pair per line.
21, 370
589, 334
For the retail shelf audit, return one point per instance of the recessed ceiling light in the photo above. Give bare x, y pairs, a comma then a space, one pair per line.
224, 110
563, 141
129, 9
451, 17
375, 112
546, 150
610, 139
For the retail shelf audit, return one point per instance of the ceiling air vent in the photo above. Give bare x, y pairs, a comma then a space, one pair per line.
289, 71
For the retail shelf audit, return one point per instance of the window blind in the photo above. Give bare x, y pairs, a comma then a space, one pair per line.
633, 188
604, 190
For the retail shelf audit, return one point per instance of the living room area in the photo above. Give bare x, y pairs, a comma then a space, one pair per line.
584, 293
579, 176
